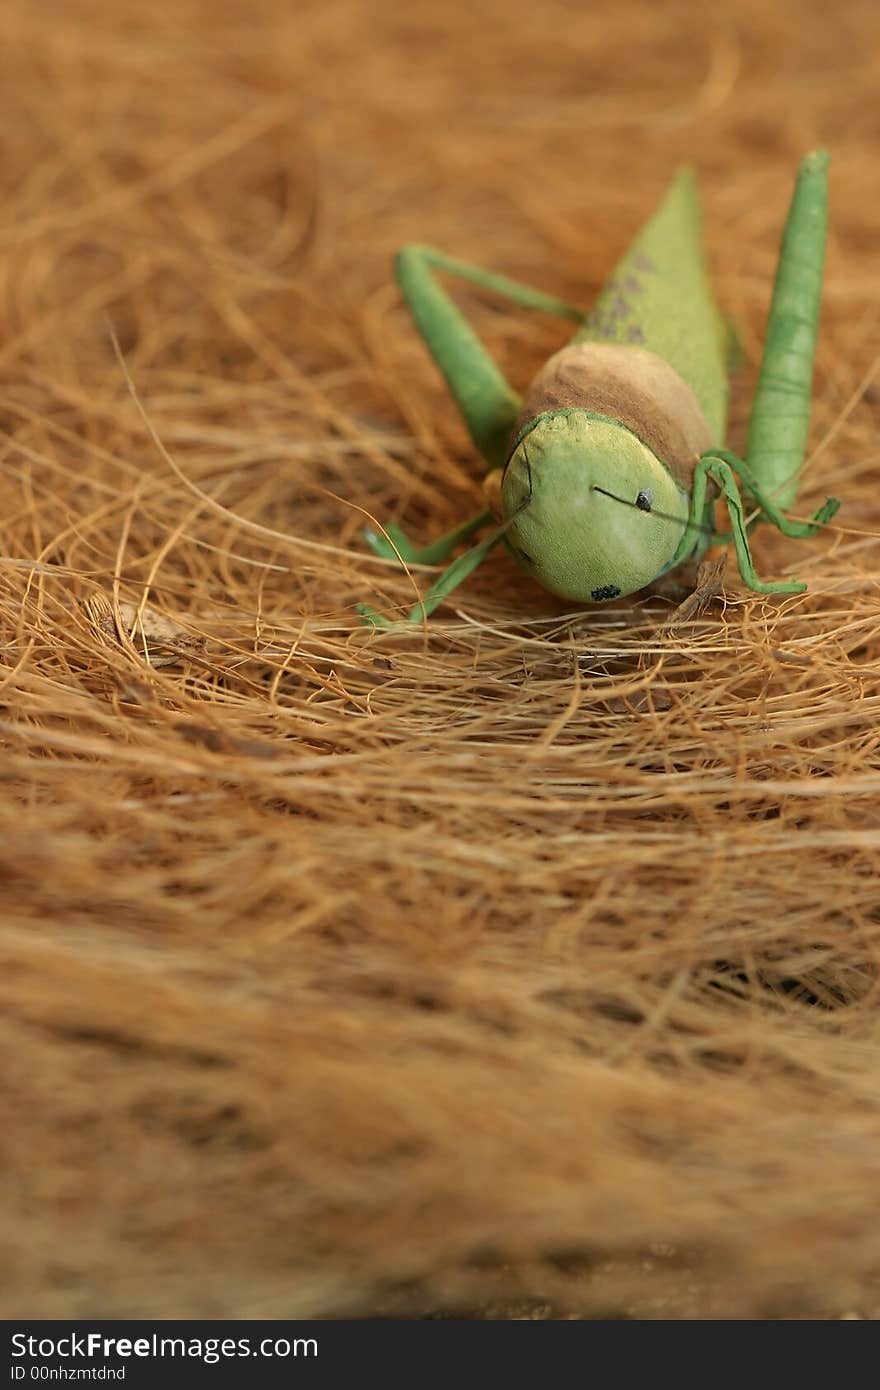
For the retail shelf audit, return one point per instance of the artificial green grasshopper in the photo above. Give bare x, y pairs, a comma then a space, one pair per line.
611, 464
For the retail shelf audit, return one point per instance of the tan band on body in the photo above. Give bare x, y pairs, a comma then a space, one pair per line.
629, 384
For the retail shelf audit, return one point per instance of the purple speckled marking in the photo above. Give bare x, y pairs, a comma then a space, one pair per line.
608, 319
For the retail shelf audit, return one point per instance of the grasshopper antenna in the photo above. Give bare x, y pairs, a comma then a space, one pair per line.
643, 504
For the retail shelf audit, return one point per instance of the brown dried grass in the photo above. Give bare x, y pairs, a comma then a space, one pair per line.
531, 956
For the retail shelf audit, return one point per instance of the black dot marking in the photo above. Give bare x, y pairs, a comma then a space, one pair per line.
643, 501
607, 591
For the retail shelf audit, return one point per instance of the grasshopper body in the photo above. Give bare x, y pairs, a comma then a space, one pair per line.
612, 461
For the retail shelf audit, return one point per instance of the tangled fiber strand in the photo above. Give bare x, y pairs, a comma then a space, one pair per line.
523, 964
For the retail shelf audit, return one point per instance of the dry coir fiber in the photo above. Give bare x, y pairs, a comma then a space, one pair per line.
519, 965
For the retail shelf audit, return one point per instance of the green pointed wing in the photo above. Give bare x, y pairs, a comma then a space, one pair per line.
659, 297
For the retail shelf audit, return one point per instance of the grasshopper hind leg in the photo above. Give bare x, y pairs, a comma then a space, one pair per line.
487, 402
780, 415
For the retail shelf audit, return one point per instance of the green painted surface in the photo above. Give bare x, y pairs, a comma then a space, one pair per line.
659, 297
780, 418
575, 539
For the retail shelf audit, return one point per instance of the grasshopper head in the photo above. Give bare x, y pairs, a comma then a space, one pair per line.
567, 531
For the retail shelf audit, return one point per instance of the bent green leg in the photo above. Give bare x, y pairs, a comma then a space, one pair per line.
443, 586
483, 395
780, 414
719, 467
769, 508
718, 470
434, 553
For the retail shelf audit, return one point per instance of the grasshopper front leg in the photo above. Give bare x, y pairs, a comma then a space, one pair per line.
719, 470
396, 545
442, 587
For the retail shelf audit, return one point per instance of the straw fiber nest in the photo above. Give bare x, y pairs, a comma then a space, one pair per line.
522, 964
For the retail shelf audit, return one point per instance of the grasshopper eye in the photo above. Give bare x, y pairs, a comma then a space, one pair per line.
645, 501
